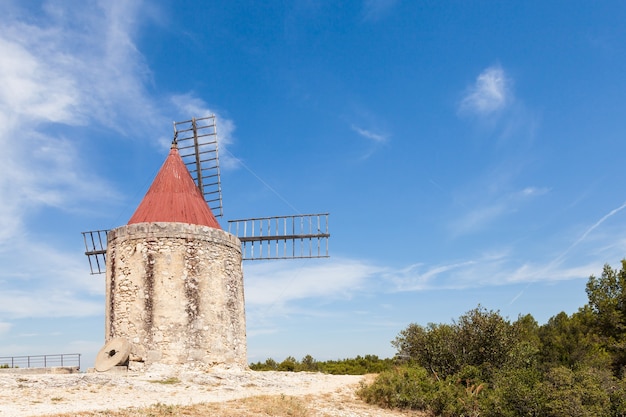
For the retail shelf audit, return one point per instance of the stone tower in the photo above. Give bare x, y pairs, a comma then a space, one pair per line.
174, 280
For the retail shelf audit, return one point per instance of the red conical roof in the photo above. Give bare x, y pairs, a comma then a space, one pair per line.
174, 197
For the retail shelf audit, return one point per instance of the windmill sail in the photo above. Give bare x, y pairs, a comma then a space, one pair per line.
95, 249
198, 146
282, 237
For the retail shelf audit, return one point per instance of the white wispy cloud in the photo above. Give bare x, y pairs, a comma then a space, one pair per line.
597, 224
491, 92
277, 289
369, 134
64, 66
272, 283
485, 272
495, 207
580, 260
42, 281
610, 242
420, 276
5, 327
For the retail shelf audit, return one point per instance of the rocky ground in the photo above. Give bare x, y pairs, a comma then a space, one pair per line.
38, 395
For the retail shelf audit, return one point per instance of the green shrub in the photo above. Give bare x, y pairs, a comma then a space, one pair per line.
403, 387
481, 338
269, 365
289, 364
580, 393
515, 392
356, 366
455, 397
416, 388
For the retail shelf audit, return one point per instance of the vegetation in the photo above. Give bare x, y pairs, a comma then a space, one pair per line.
280, 406
484, 365
168, 381
360, 365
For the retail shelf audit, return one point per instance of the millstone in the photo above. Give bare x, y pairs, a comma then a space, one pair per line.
115, 352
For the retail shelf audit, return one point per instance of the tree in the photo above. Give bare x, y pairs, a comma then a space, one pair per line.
607, 304
310, 364
289, 364
479, 338
607, 299
486, 339
435, 347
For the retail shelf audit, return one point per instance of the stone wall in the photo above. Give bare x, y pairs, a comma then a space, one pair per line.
175, 292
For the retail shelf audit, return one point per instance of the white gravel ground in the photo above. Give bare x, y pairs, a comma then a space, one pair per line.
37, 395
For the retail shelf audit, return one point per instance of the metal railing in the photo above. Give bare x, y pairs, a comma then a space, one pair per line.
41, 361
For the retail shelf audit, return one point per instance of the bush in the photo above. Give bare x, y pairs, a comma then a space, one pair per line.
289, 364
515, 392
415, 388
357, 366
480, 338
269, 365
576, 394
402, 387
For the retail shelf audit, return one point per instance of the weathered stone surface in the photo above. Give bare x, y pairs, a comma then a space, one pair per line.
175, 291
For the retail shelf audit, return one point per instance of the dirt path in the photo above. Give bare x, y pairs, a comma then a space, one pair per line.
38, 395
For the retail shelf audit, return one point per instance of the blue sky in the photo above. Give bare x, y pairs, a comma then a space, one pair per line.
468, 153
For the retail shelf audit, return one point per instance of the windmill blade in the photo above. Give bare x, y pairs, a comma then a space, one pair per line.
198, 147
282, 237
95, 249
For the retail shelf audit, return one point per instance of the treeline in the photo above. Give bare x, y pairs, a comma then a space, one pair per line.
360, 365
485, 365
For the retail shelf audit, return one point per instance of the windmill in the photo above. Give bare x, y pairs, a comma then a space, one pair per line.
262, 238
174, 279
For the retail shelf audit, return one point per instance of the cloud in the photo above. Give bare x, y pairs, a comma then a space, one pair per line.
481, 216
376, 137
278, 283
419, 277
490, 93
281, 288
276, 289
615, 243
75, 65
5, 327
503, 267
63, 67
484, 271
42, 281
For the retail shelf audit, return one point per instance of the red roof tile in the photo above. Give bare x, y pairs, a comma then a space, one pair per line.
174, 197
